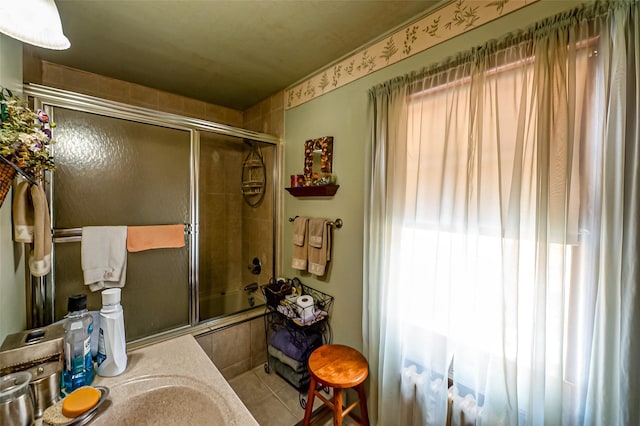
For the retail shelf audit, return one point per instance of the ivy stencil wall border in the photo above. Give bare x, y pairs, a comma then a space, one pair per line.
443, 24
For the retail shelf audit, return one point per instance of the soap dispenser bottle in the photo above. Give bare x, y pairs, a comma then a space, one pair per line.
78, 364
112, 346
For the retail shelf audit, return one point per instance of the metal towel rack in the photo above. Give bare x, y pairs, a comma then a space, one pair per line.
336, 223
74, 235
26, 175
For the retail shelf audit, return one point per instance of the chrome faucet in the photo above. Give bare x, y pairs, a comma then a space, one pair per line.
250, 288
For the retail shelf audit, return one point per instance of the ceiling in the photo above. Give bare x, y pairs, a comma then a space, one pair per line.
233, 53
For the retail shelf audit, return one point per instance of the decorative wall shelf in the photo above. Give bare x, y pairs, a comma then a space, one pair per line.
314, 191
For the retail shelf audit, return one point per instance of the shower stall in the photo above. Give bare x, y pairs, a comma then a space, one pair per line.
236, 229
119, 165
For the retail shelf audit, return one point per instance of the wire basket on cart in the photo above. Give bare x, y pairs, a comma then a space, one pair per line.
279, 297
296, 323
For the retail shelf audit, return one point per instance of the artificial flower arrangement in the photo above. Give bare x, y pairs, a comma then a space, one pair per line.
25, 136
25, 140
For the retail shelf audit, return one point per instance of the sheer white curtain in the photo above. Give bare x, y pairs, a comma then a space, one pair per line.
502, 237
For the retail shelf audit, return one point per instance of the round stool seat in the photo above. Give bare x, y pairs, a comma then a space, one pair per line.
338, 366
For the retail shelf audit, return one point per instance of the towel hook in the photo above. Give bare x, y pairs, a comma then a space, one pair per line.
336, 223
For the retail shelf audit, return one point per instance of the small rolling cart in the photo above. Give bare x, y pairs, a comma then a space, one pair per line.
296, 323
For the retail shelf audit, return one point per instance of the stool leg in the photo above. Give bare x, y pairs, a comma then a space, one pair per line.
363, 404
337, 402
310, 396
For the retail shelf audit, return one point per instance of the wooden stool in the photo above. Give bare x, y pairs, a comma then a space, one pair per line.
339, 367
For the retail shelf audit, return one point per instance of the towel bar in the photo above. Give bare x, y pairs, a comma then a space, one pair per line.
336, 223
74, 235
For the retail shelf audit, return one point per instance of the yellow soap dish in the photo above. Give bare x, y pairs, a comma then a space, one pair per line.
53, 415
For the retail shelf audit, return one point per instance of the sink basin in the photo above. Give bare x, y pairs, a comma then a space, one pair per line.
164, 400
172, 382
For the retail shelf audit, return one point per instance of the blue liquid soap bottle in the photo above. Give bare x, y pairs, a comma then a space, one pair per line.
78, 364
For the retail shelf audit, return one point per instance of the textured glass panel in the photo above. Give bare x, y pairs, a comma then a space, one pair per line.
118, 172
231, 232
155, 297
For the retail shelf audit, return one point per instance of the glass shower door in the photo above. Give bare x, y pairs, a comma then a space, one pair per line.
113, 172
232, 233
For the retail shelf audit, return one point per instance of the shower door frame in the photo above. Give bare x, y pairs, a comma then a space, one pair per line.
47, 98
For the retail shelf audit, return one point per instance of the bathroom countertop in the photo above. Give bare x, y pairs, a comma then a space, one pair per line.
173, 382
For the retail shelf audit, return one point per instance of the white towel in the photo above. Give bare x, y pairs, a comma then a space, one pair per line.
104, 256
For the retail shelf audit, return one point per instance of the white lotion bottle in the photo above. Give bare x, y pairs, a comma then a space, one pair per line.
112, 346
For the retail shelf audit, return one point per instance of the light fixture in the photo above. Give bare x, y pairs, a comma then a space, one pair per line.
35, 22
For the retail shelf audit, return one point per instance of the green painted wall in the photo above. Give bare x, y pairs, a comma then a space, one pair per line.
12, 289
343, 114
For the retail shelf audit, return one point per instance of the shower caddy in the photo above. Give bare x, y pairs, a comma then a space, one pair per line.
282, 319
254, 177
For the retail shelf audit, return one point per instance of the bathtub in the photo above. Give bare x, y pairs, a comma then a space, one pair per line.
228, 303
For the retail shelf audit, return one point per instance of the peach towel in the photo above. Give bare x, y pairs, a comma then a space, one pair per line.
141, 238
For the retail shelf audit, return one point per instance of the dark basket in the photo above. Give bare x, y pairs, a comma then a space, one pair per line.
275, 291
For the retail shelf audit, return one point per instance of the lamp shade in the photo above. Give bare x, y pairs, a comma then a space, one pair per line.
35, 22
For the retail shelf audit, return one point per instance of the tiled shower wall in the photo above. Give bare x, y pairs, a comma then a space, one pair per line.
267, 116
62, 77
241, 347
257, 227
225, 216
220, 224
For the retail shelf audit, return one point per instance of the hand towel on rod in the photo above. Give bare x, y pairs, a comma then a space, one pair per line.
300, 244
104, 256
154, 237
319, 257
31, 224
40, 256
22, 214
316, 232
299, 230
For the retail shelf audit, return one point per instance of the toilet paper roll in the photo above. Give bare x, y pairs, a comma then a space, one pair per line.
305, 307
304, 301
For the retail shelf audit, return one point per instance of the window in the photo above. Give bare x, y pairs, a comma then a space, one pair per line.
474, 254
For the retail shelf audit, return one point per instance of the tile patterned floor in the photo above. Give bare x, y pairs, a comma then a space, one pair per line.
272, 401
